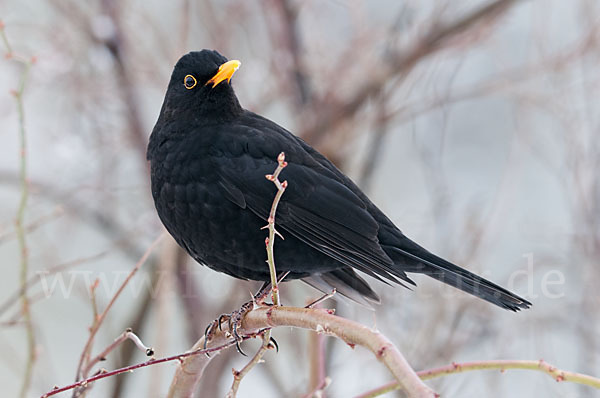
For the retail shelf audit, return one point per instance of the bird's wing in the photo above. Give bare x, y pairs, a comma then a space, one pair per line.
317, 208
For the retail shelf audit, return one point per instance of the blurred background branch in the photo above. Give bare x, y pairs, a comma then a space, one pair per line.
20, 227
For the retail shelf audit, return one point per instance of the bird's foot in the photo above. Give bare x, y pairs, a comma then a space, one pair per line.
234, 323
234, 320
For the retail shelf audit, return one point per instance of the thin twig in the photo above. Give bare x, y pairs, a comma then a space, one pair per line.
238, 375
317, 376
126, 335
32, 226
20, 218
285, 32
32, 281
502, 365
93, 288
115, 45
397, 63
136, 322
319, 390
16, 318
324, 297
270, 241
104, 374
98, 322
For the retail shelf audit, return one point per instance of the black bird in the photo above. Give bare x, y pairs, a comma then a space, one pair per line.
209, 157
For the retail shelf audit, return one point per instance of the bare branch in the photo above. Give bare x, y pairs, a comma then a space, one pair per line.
397, 63
98, 322
102, 374
20, 218
238, 375
320, 321
32, 281
126, 335
270, 241
502, 365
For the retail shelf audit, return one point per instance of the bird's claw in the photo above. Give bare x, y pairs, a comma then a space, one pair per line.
220, 320
273, 343
234, 322
209, 332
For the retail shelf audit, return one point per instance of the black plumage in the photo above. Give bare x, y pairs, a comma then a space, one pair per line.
209, 158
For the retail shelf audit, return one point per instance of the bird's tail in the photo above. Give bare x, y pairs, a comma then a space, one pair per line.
413, 258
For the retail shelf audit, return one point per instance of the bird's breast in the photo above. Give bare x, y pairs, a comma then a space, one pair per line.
194, 209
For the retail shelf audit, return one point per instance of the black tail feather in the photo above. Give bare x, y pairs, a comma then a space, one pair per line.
413, 258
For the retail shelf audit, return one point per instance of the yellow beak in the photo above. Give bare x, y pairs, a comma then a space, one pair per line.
226, 71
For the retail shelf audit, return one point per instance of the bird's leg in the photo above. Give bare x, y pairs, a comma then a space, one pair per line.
236, 317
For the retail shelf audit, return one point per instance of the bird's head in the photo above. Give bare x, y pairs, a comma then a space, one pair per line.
200, 87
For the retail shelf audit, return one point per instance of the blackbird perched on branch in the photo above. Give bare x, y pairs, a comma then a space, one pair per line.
209, 157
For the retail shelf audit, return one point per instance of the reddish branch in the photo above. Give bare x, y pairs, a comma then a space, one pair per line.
100, 319
102, 374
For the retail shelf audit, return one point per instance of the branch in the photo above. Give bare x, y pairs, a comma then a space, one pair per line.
34, 225
321, 321
102, 374
285, 32
192, 364
126, 335
98, 322
136, 322
20, 219
502, 365
238, 375
34, 280
396, 63
115, 45
270, 241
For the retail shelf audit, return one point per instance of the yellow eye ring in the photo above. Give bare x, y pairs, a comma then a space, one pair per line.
189, 82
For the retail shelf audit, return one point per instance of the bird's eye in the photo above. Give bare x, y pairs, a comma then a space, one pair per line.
189, 82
